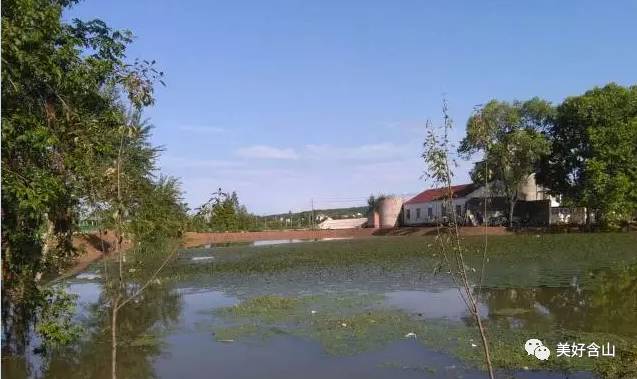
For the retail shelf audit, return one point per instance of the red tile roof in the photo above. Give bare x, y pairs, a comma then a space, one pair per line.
438, 193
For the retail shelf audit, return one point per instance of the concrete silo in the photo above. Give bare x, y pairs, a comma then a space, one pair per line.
389, 209
373, 219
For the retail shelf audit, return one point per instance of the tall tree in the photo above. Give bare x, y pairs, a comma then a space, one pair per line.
57, 111
64, 129
222, 212
510, 137
593, 158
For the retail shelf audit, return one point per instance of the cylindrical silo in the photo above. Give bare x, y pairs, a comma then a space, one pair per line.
373, 219
389, 211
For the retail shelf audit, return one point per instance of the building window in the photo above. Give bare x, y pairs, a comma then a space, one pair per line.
408, 214
417, 213
430, 212
459, 210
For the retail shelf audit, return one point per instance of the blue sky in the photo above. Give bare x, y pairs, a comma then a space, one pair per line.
288, 101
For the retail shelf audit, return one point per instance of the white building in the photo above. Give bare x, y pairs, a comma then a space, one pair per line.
428, 207
345, 223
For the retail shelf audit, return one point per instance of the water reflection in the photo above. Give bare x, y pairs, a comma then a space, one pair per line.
139, 327
272, 242
608, 303
445, 303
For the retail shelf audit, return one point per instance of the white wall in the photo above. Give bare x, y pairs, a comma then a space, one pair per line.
346, 223
436, 208
529, 191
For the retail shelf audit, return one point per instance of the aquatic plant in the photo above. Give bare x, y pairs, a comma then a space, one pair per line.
350, 323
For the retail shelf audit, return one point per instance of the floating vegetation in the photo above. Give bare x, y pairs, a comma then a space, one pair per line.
349, 324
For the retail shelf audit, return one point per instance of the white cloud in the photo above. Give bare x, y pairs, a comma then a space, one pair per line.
267, 152
200, 129
274, 179
380, 151
182, 162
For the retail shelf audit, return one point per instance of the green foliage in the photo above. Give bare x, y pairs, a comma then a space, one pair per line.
55, 324
509, 136
593, 158
222, 213
70, 144
141, 325
161, 212
303, 219
60, 84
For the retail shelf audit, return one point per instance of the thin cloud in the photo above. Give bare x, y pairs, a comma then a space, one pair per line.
267, 152
380, 151
184, 162
201, 129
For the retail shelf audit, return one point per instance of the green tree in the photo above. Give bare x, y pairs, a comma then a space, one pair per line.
593, 158
222, 212
510, 137
56, 111
161, 212
68, 142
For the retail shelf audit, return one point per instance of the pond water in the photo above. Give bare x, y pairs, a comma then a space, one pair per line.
297, 311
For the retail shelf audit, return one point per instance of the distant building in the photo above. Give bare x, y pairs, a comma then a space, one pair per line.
428, 207
344, 223
469, 200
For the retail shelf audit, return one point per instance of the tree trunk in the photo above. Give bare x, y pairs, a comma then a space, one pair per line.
512, 202
114, 340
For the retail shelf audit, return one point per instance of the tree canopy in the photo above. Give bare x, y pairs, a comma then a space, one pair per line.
222, 212
593, 156
509, 135
72, 139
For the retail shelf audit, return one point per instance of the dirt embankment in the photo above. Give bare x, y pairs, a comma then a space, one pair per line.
192, 239
92, 247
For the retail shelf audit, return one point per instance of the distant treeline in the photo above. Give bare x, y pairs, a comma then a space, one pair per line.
224, 213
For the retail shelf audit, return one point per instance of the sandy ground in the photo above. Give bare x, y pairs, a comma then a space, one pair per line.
199, 239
